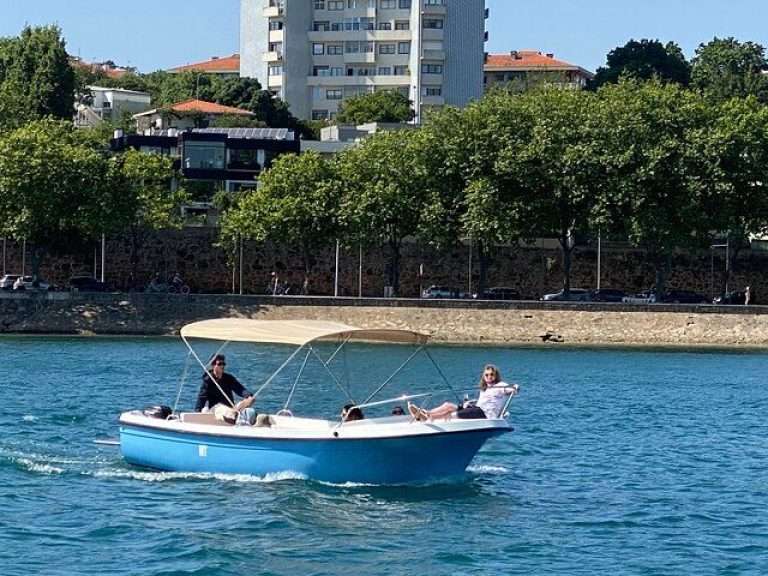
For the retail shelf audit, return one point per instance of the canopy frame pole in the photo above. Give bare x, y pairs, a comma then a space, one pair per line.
442, 375
208, 372
182, 382
276, 372
332, 375
395, 373
296, 381
335, 352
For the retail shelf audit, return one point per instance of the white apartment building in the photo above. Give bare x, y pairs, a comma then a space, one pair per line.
315, 53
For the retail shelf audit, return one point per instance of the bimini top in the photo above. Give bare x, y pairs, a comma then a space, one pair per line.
297, 332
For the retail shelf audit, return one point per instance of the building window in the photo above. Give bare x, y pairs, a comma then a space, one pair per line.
319, 114
387, 4
384, 71
335, 4
275, 71
204, 155
384, 26
275, 24
319, 4
318, 49
334, 49
321, 26
432, 91
320, 71
402, 71
434, 2
402, 25
404, 4
403, 47
432, 68
386, 48
433, 23
334, 94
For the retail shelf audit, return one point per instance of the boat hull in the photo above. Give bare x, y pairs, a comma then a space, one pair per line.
426, 454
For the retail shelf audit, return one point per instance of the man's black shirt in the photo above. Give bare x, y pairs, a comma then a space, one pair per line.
211, 395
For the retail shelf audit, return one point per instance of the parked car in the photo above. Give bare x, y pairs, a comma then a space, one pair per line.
575, 295
498, 293
86, 284
6, 282
684, 297
644, 297
607, 295
30, 283
735, 297
442, 292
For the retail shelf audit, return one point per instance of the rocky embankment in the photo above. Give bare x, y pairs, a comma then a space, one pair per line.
453, 322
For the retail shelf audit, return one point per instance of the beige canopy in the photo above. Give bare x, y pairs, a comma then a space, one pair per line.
297, 332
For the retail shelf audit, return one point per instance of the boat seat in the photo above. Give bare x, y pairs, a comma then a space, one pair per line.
202, 418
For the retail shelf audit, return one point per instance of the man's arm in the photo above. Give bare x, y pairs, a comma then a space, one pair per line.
202, 396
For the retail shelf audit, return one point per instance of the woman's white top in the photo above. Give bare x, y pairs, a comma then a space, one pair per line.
492, 399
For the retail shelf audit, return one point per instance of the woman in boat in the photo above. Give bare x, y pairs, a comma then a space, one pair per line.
490, 401
222, 390
350, 412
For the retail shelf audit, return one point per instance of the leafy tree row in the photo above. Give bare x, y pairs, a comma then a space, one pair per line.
652, 162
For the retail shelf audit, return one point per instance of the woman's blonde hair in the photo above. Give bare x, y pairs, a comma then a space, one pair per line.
496, 376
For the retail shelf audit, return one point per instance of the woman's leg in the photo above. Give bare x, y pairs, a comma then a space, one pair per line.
442, 411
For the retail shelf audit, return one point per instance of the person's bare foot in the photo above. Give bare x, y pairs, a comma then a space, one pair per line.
418, 413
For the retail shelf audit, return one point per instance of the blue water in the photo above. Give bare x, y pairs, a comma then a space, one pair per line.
622, 462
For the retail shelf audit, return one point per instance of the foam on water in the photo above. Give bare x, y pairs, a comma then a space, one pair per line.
38, 467
147, 476
487, 469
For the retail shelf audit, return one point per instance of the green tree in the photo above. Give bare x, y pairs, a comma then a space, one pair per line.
724, 68
36, 79
550, 169
152, 198
733, 150
382, 186
54, 189
655, 182
381, 106
294, 203
643, 60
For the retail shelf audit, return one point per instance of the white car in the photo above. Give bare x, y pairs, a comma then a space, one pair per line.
575, 295
644, 297
6, 282
441, 292
29, 283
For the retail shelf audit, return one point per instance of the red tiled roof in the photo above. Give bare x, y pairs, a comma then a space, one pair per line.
527, 59
216, 64
207, 108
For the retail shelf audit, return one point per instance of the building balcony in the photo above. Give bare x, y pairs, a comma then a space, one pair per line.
276, 35
432, 79
432, 34
340, 81
274, 82
360, 58
433, 55
432, 101
275, 56
273, 11
365, 35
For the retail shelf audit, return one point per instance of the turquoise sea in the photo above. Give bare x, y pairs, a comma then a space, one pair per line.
622, 462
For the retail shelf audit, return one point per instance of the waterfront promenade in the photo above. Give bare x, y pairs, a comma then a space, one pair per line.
460, 321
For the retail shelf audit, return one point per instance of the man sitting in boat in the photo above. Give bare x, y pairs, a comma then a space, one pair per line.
220, 390
350, 412
490, 402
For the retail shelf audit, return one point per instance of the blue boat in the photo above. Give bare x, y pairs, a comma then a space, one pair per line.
387, 450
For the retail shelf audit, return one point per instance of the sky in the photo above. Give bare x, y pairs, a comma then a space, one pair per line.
158, 34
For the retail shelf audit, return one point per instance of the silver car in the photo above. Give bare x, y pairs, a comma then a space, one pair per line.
6, 282
575, 295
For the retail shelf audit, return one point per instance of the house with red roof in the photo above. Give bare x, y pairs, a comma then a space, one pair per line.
225, 67
185, 115
528, 67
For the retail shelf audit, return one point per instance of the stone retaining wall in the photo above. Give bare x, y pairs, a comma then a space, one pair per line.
448, 321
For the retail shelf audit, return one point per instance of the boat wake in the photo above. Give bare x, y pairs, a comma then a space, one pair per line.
485, 469
152, 476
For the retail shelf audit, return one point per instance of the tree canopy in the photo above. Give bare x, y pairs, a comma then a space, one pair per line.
380, 106
725, 68
36, 79
643, 60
